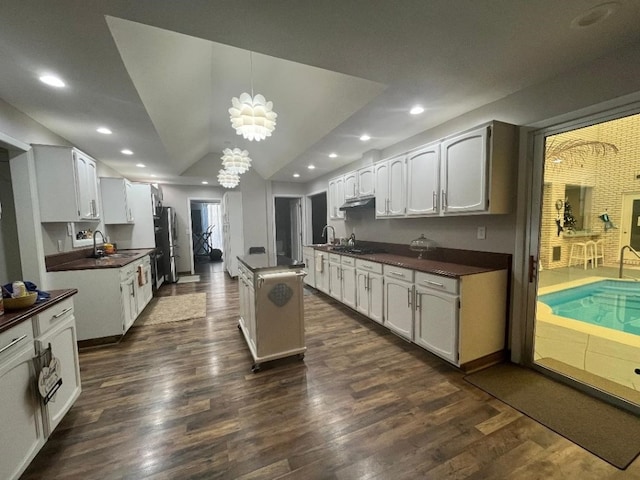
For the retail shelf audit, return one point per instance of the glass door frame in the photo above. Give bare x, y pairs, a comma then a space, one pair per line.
534, 175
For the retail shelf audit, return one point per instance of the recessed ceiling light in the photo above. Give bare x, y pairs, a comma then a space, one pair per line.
153, 175
416, 110
52, 81
311, 167
204, 182
126, 151
365, 137
594, 15
140, 165
333, 155
104, 130
296, 175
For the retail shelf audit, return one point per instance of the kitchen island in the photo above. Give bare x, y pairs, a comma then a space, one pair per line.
271, 308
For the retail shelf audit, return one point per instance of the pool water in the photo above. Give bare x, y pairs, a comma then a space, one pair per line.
609, 303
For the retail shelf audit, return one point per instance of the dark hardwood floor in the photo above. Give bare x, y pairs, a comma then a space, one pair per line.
179, 401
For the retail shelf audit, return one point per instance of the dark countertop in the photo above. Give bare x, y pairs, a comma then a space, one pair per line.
14, 317
108, 261
262, 262
445, 269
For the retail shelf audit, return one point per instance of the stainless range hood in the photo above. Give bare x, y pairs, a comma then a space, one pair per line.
362, 202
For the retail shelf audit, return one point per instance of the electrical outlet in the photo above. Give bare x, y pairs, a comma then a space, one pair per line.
482, 233
70, 229
60, 246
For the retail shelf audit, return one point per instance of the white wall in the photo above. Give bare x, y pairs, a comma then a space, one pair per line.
257, 210
178, 197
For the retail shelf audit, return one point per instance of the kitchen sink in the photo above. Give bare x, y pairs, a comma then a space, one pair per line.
120, 255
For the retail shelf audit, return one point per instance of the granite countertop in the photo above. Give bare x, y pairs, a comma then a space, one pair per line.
261, 262
14, 317
445, 269
117, 260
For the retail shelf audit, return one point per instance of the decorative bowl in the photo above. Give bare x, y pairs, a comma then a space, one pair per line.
20, 302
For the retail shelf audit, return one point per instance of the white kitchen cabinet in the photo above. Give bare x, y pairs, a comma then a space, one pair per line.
233, 231
336, 198
335, 276
322, 271
370, 289
423, 181
476, 170
22, 433
398, 300
350, 185
116, 200
57, 334
143, 285
309, 257
390, 187
348, 276
67, 184
366, 182
128, 298
436, 317
247, 304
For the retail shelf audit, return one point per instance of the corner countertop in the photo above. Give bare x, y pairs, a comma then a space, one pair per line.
120, 259
262, 262
14, 317
444, 269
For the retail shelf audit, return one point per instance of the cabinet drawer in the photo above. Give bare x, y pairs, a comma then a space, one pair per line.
53, 316
403, 274
334, 258
350, 261
16, 338
437, 282
374, 267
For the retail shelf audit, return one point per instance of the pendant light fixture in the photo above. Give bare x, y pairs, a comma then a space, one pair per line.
236, 160
228, 179
252, 116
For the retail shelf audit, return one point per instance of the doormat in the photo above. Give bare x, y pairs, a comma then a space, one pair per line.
604, 430
173, 309
189, 279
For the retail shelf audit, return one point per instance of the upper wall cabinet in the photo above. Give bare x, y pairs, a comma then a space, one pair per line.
336, 198
366, 182
423, 181
390, 181
67, 184
116, 200
350, 185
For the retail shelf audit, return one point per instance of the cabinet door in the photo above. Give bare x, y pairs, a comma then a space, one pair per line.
251, 308
376, 297
63, 341
87, 186
381, 174
350, 185
310, 269
335, 280
398, 298
349, 286
366, 182
464, 172
339, 197
322, 265
436, 323
332, 199
423, 181
127, 201
21, 435
362, 292
397, 183
129, 308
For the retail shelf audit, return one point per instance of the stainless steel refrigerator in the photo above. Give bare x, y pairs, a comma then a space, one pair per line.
166, 240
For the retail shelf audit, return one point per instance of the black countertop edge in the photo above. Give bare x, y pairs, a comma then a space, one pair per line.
103, 262
12, 318
263, 262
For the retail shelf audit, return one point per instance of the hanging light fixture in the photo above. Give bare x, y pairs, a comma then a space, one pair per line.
228, 179
252, 116
236, 160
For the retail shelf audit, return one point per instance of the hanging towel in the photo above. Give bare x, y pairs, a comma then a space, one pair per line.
319, 264
142, 278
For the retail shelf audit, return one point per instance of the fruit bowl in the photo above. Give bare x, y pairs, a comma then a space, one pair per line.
20, 302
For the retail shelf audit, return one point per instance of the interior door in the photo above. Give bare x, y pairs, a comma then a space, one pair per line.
630, 223
295, 211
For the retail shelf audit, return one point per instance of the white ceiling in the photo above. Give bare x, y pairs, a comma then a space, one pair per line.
161, 73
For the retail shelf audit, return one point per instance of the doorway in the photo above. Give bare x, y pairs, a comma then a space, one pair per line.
318, 207
586, 322
206, 235
288, 227
10, 265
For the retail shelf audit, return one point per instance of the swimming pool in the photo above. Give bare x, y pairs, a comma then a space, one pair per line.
611, 304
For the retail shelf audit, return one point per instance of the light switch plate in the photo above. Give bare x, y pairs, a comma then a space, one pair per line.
482, 233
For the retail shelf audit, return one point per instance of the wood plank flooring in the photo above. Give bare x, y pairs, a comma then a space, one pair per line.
178, 401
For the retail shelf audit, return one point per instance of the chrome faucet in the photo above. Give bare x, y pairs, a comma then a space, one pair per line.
324, 233
95, 250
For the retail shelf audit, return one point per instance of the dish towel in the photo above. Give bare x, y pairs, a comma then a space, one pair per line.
319, 264
142, 278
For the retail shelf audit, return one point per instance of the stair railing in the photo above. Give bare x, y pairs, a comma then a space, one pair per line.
630, 248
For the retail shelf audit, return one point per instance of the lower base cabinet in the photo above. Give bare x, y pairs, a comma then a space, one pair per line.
436, 323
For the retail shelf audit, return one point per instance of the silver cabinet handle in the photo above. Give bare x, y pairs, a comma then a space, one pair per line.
68, 309
397, 274
409, 297
12, 343
417, 304
435, 201
368, 267
444, 199
441, 285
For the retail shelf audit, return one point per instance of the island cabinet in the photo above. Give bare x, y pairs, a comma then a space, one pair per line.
271, 307
67, 184
29, 414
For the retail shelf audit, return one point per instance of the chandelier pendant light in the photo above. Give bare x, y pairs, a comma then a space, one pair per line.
228, 179
236, 160
252, 116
